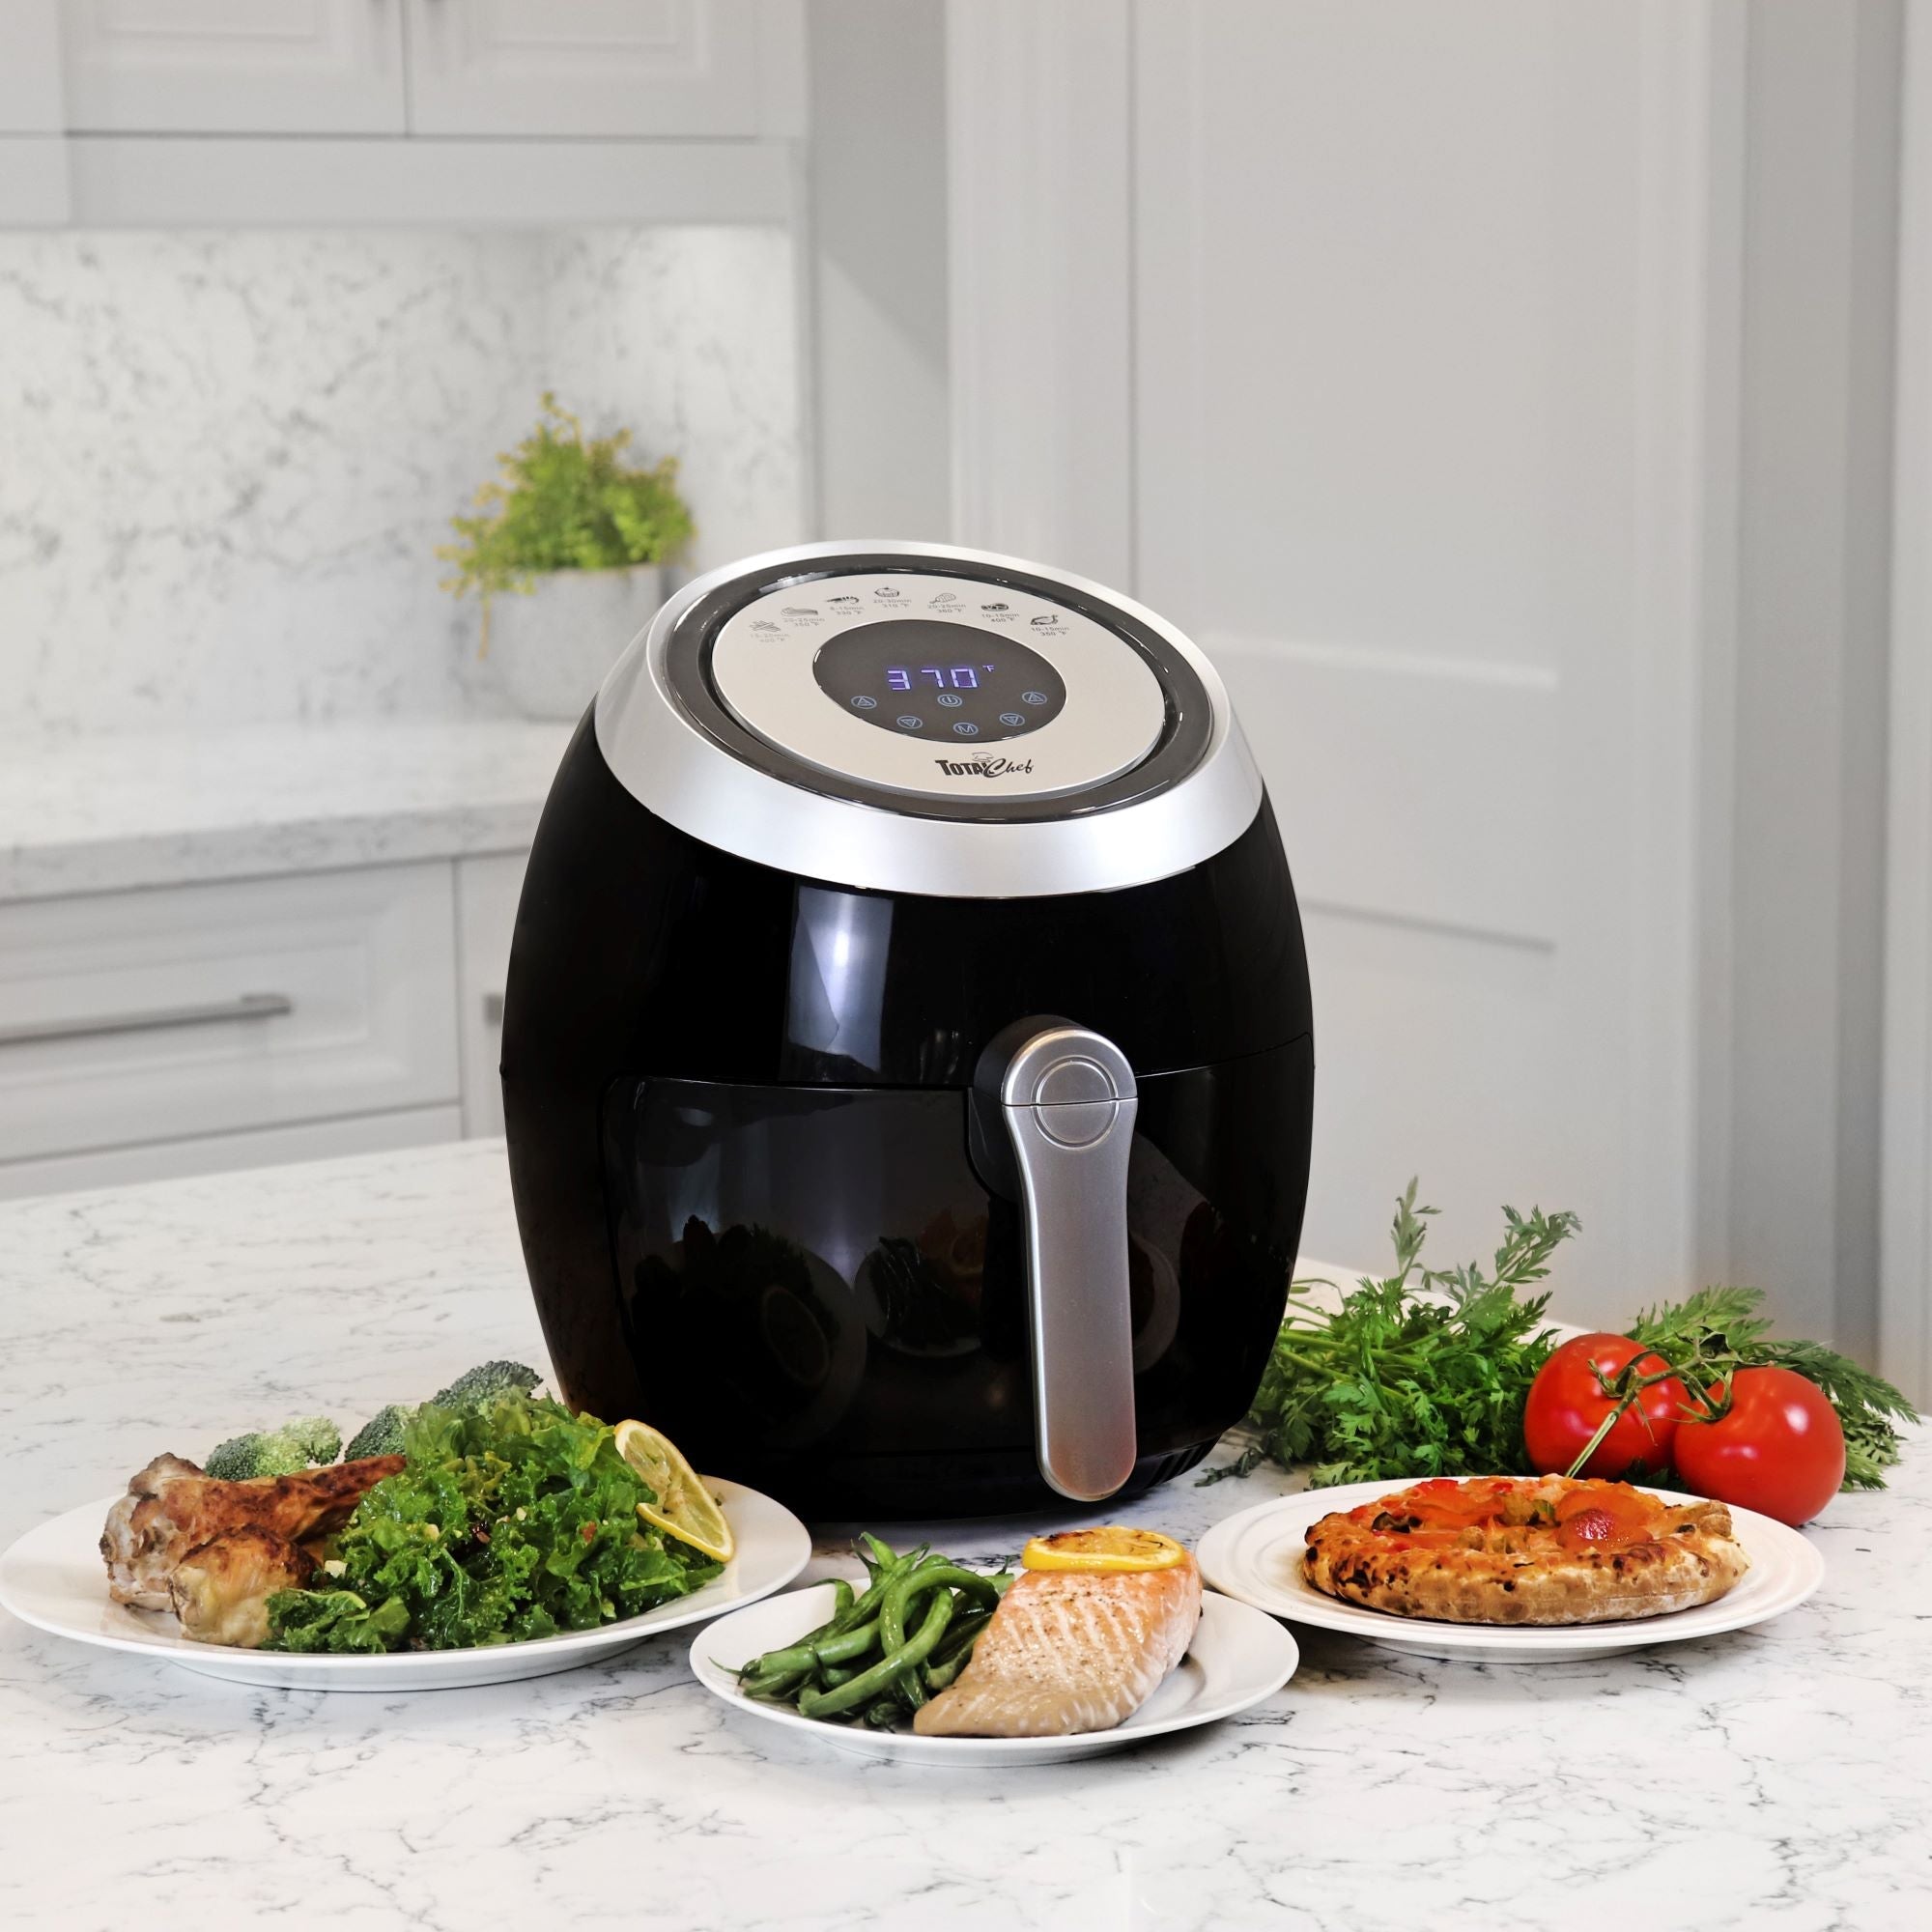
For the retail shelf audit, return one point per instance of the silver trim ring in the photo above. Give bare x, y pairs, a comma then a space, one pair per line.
661, 757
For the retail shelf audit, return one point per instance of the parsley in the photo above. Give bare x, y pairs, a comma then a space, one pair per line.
1394, 1385
1721, 1328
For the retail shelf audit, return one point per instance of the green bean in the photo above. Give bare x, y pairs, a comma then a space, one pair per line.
813, 1655
957, 1652
883, 1714
863, 1608
868, 1684
942, 1676
901, 1596
776, 1689
961, 1635
939, 1574
849, 1612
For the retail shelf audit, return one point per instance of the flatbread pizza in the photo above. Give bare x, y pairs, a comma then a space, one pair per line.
1536, 1549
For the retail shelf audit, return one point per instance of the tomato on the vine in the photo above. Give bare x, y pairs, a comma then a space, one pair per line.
1566, 1406
1780, 1449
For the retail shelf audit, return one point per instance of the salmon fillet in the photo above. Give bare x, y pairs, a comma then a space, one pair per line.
1066, 1652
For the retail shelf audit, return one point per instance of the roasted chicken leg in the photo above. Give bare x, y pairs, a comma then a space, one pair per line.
172, 1508
220, 1591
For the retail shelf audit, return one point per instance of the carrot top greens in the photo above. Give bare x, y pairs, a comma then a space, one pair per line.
1423, 1373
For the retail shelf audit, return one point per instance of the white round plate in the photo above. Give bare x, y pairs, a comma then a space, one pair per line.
1257, 1557
52, 1579
1236, 1658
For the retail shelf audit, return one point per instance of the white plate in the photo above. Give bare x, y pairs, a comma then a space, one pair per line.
53, 1578
1236, 1658
1257, 1557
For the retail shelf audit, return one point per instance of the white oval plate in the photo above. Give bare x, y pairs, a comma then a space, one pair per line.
1236, 1658
53, 1578
1257, 1557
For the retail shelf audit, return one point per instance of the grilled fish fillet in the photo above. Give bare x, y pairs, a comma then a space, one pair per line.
171, 1508
1068, 1652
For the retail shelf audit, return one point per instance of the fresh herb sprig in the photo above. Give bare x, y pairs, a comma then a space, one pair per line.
1721, 1330
1423, 1376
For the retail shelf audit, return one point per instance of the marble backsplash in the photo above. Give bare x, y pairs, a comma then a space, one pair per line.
226, 459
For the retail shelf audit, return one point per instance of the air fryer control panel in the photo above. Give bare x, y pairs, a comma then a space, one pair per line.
938, 685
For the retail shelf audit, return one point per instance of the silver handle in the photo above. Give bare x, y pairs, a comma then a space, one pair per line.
249, 1007
1068, 1100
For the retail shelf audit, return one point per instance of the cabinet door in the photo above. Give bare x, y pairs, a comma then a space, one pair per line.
584, 67
1418, 464
233, 67
215, 1009
30, 95
487, 892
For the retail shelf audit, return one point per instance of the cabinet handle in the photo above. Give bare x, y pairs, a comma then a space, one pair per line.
249, 1007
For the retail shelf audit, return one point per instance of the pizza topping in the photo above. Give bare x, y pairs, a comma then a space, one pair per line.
1588, 1526
1508, 1515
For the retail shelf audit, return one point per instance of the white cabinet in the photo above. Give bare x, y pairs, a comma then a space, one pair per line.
134, 1018
233, 67
30, 97
196, 1028
487, 892
585, 67
33, 156
308, 113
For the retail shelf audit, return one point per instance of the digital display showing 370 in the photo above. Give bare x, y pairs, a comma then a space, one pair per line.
919, 679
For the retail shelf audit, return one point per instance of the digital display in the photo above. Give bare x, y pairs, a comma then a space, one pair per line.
959, 677
949, 682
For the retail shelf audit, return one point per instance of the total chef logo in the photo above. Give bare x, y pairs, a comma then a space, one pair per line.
984, 768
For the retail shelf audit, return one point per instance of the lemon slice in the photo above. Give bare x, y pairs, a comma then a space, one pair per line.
1099, 1551
684, 1508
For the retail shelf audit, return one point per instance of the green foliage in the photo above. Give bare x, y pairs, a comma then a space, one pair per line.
565, 501
275, 1452
381, 1436
1404, 1382
330, 1619
383, 1433
513, 1520
485, 1383
1722, 1328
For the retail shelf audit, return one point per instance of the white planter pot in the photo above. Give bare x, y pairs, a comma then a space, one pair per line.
549, 649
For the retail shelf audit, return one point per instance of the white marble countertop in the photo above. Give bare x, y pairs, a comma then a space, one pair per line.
102, 813
1777, 1776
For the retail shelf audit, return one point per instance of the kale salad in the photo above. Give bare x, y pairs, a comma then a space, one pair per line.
512, 1518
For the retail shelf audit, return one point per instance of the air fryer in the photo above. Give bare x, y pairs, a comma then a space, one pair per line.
907, 1052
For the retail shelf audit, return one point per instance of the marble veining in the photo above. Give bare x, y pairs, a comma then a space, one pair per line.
226, 459
1779, 1777
106, 813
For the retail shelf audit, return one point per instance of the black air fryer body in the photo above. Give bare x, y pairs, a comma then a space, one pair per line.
876, 1176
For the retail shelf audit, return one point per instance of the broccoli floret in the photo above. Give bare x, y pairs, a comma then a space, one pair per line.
276, 1452
485, 1384
381, 1435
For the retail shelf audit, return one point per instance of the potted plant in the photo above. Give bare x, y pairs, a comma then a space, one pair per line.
566, 554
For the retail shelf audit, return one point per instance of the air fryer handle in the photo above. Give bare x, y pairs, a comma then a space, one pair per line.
1067, 1099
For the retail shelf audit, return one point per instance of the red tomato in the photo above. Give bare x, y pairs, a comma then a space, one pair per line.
1566, 1406
1779, 1450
